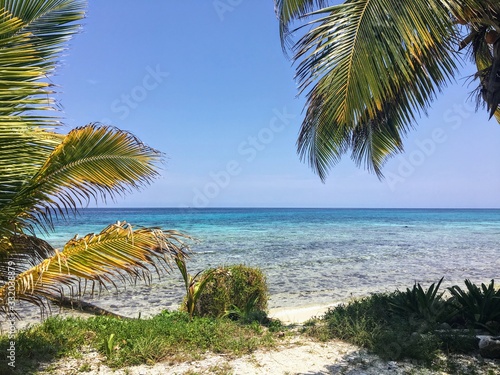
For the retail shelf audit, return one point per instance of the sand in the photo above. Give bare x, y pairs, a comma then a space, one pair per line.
299, 315
295, 356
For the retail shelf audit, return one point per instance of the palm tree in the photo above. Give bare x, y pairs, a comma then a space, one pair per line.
372, 67
45, 175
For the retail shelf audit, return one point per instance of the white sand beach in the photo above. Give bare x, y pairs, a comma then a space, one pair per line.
300, 314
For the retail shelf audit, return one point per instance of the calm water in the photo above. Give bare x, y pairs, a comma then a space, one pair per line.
313, 256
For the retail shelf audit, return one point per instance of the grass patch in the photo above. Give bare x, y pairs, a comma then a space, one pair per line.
169, 336
417, 324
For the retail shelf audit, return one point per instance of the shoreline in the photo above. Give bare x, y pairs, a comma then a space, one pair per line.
131, 303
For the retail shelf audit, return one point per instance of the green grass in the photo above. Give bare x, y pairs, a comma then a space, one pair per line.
370, 323
170, 336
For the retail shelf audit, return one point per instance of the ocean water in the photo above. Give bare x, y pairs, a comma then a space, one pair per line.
310, 256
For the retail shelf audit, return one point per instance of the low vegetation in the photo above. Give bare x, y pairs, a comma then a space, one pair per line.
169, 336
417, 324
236, 291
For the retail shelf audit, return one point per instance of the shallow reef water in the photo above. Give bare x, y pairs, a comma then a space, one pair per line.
310, 256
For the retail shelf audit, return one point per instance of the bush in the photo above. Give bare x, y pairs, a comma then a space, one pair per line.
236, 289
477, 306
427, 305
411, 324
360, 321
371, 323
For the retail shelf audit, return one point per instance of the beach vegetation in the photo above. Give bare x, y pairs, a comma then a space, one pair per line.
235, 291
194, 285
418, 324
477, 306
371, 323
169, 336
250, 313
371, 68
427, 305
46, 175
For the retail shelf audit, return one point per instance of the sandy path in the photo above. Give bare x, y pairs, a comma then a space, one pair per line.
297, 355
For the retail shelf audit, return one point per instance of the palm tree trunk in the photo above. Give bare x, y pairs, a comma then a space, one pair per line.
86, 307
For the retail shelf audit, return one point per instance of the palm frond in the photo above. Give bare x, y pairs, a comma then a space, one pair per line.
289, 10
118, 253
367, 60
373, 142
23, 251
482, 18
91, 162
33, 33
22, 153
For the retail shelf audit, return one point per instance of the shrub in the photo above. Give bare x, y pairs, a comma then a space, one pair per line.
477, 306
418, 303
369, 322
233, 288
358, 322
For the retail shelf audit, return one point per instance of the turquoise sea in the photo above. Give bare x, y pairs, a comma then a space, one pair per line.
311, 256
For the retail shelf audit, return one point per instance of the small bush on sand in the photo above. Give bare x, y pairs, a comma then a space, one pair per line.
235, 288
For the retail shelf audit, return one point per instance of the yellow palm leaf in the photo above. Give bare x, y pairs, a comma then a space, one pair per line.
117, 254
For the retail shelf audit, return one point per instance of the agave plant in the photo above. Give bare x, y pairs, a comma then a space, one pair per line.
420, 303
44, 174
477, 305
370, 68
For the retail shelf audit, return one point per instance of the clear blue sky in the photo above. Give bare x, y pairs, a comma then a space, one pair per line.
206, 82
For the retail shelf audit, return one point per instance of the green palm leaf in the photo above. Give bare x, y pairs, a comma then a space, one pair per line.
32, 35
374, 64
91, 162
371, 68
288, 10
116, 254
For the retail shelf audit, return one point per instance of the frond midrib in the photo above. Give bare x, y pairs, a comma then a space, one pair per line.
76, 163
351, 59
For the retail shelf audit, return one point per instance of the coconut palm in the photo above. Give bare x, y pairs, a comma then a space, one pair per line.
46, 175
370, 68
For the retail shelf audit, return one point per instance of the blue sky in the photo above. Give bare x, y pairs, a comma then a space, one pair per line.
206, 82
